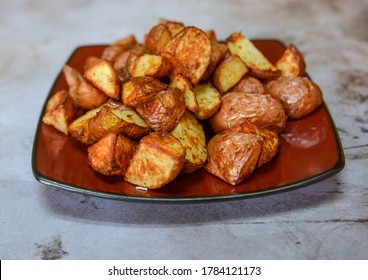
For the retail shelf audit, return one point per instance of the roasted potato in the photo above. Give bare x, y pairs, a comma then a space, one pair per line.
151, 65
60, 111
73, 79
257, 63
249, 84
260, 109
178, 81
164, 110
127, 42
191, 135
173, 26
157, 38
89, 97
298, 95
104, 77
157, 160
115, 117
112, 154
190, 53
292, 62
209, 100
233, 156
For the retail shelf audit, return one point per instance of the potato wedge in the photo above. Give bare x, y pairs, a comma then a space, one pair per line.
111, 155
260, 109
233, 156
218, 52
257, 63
157, 38
229, 72
209, 100
152, 65
60, 111
115, 117
190, 53
178, 81
73, 79
127, 42
173, 26
298, 95
292, 62
89, 97
191, 135
165, 110
158, 159
104, 77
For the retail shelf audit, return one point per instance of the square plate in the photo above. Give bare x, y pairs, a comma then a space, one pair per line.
310, 151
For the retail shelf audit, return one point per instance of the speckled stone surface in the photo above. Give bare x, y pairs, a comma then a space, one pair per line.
327, 220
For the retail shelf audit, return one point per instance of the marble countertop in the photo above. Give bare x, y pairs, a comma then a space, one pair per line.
326, 220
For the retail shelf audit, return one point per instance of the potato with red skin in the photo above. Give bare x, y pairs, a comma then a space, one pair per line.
249, 84
260, 109
89, 97
298, 95
292, 62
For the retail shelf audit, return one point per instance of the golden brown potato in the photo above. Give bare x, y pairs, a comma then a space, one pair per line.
270, 140
191, 135
115, 117
110, 53
89, 97
257, 63
190, 53
127, 42
209, 100
90, 61
165, 110
233, 156
104, 77
60, 111
152, 65
292, 62
229, 72
111, 155
79, 128
157, 38
260, 109
73, 79
249, 84
158, 159
178, 81
298, 95
173, 26
140, 90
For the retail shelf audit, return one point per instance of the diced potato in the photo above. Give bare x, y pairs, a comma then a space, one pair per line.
73, 79
190, 53
89, 97
257, 63
60, 111
233, 156
165, 110
79, 128
292, 62
158, 159
157, 38
218, 52
178, 81
173, 26
111, 155
148, 65
229, 73
104, 77
127, 42
191, 136
209, 100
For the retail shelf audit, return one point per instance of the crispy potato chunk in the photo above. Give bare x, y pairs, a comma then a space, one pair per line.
60, 111
127, 42
89, 97
292, 62
157, 38
260, 109
298, 95
148, 65
233, 156
173, 26
79, 128
209, 100
257, 63
190, 53
73, 79
249, 84
191, 136
115, 117
158, 159
178, 81
104, 77
111, 155
165, 110
229, 72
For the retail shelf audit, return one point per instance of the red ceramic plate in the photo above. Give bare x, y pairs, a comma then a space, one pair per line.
310, 151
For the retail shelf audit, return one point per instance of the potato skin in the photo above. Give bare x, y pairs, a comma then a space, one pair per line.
249, 84
233, 156
260, 109
298, 95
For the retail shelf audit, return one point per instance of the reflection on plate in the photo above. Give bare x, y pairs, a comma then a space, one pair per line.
310, 151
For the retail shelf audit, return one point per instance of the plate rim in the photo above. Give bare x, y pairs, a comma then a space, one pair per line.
338, 167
